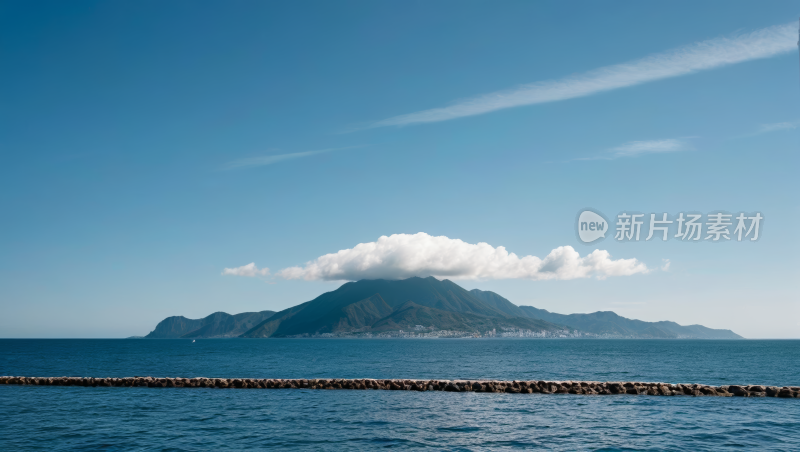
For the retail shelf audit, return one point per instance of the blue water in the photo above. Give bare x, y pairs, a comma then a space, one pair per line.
69, 418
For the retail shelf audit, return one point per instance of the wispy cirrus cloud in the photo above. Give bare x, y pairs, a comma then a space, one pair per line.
401, 256
766, 128
634, 148
270, 159
637, 148
710, 54
249, 270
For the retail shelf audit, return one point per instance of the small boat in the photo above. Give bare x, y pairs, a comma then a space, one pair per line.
192, 341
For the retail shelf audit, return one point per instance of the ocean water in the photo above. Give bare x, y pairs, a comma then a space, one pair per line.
70, 418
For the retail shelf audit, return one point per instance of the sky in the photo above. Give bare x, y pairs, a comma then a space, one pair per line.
187, 157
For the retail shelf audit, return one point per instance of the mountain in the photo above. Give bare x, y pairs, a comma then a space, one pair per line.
369, 304
498, 302
218, 324
410, 314
611, 324
376, 306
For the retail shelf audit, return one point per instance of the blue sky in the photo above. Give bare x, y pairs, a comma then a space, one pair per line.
145, 148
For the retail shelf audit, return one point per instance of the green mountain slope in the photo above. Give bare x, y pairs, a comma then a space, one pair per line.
388, 305
498, 302
218, 324
339, 310
410, 314
609, 323
173, 327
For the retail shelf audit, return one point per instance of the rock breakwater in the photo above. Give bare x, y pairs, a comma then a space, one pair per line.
516, 387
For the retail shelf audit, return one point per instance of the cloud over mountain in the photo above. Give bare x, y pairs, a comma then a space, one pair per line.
402, 256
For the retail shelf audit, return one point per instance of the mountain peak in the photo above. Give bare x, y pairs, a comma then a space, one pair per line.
334, 311
381, 305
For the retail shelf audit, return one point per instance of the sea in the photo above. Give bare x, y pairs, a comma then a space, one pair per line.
189, 419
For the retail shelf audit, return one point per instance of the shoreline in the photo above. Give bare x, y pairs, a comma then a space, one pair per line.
481, 386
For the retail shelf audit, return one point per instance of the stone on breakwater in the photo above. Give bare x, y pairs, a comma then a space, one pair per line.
495, 386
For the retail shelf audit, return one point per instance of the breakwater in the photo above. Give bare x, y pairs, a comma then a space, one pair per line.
493, 386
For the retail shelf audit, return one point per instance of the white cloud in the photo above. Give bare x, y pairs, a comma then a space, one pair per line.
710, 54
766, 128
249, 270
270, 159
665, 266
634, 148
402, 256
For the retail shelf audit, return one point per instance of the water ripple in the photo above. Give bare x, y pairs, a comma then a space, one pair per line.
178, 419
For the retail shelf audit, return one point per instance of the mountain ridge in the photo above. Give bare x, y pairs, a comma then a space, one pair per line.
411, 314
609, 323
218, 324
333, 312
612, 324
422, 305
